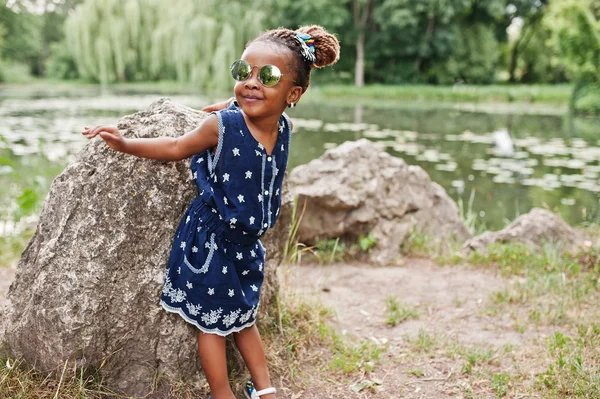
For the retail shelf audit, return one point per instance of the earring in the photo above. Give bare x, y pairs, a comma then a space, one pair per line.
292, 105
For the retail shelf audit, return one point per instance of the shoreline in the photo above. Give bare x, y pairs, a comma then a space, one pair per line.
518, 99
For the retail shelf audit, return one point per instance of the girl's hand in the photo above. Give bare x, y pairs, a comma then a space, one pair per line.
218, 106
109, 133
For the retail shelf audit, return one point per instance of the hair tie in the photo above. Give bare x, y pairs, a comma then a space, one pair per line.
307, 44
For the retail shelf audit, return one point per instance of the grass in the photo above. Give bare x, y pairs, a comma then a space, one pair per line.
574, 369
397, 312
549, 285
552, 94
12, 245
18, 380
424, 342
555, 94
165, 87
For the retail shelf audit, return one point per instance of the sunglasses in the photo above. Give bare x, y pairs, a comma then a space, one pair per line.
269, 75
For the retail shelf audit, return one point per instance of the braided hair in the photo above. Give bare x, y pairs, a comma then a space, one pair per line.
327, 49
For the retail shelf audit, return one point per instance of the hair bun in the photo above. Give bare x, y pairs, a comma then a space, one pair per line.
327, 46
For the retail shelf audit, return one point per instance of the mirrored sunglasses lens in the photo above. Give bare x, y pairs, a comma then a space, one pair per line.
269, 75
240, 70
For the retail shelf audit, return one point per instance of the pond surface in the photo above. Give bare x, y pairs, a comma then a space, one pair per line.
497, 165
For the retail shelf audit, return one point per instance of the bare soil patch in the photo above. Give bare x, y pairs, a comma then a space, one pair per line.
451, 304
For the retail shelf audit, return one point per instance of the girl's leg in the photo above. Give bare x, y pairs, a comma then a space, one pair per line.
211, 349
250, 345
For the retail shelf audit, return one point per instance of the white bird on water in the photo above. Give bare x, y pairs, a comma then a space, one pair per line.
504, 144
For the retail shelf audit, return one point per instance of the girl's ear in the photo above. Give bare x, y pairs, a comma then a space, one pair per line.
294, 95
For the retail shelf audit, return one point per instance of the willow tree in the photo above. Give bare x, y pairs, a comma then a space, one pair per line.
190, 41
576, 27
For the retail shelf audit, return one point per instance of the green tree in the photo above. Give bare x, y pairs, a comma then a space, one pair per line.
576, 32
21, 42
133, 40
335, 15
414, 35
530, 14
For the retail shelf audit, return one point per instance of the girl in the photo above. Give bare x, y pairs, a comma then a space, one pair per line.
239, 155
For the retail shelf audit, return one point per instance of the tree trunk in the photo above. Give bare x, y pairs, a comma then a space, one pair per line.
514, 56
428, 35
359, 72
360, 13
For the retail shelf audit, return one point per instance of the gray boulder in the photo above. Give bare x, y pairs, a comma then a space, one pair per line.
88, 284
534, 229
357, 188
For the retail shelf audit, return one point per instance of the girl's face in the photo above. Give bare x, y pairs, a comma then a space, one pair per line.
258, 100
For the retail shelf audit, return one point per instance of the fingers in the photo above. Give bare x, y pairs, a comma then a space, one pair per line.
216, 107
93, 132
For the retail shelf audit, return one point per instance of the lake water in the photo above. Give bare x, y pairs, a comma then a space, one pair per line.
508, 161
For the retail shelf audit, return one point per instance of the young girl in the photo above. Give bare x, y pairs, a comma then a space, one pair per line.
239, 155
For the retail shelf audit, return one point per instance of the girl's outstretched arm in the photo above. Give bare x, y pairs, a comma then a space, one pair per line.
161, 148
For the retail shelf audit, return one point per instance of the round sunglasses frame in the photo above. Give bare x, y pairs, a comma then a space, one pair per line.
269, 68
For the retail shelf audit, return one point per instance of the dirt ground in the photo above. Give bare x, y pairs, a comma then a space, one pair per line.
451, 303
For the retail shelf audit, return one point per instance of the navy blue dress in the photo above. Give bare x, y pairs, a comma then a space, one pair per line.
216, 264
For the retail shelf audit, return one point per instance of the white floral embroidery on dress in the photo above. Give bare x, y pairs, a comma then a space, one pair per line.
236, 152
200, 160
252, 219
246, 316
194, 249
248, 174
193, 309
238, 255
211, 291
187, 219
260, 267
189, 285
231, 317
241, 198
182, 245
224, 270
254, 288
231, 293
245, 272
260, 198
226, 177
233, 221
212, 317
176, 295
252, 253
257, 153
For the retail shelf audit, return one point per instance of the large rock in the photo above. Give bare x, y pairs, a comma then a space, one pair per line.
357, 188
88, 284
536, 228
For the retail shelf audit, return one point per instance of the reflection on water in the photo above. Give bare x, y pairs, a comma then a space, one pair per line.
511, 162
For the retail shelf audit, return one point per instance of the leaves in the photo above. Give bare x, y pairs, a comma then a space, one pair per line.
188, 41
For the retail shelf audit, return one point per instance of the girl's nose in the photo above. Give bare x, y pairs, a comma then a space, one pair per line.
252, 81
